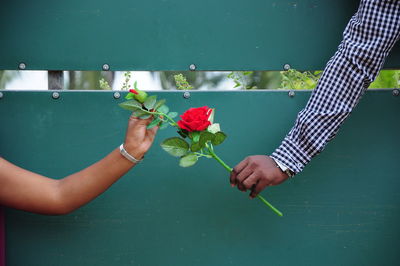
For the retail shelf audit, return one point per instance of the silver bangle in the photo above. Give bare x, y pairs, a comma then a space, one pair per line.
127, 155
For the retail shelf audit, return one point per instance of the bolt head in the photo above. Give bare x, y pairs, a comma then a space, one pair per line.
55, 95
106, 67
22, 66
117, 95
291, 93
396, 92
186, 95
286, 67
192, 67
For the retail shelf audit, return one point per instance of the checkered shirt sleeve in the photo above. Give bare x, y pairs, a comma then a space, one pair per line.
367, 40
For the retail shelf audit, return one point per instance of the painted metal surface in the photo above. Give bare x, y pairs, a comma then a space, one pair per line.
344, 209
2, 239
173, 34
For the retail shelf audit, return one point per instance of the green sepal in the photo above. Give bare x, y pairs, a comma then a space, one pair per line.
141, 96
219, 137
175, 146
195, 147
188, 160
150, 102
195, 136
131, 105
130, 96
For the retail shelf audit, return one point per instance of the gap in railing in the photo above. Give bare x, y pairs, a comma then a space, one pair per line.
164, 80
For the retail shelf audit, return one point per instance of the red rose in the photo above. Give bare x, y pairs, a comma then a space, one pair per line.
133, 91
195, 119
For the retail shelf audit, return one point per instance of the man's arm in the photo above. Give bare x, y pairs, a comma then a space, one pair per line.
367, 40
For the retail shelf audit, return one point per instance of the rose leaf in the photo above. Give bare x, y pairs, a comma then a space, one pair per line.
150, 102
219, 138
175, 146
131, 105
188, 160
159, 104
163, 109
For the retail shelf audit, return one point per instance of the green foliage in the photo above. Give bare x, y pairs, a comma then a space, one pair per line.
181, 82
138, 113
241, 79
154, 123
144, 106
296, 80
159, 104
141, 96
196, 79
150, 102
7, 76
164, 125
198, 144
130, 96
163, 109
205, 137
219, 137
386, 79
131, 105
188, 160
195, 146
172, 114
175, 146
104, 84
126, 85
195, 136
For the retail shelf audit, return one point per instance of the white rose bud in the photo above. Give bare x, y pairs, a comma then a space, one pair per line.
214, 128
211, 117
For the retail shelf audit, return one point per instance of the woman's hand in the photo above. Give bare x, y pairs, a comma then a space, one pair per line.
138, 138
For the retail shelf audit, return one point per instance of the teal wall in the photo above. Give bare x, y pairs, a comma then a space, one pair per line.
172, 34
342, 210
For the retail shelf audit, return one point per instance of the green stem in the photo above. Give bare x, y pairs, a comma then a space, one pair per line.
215, 156
269, 205
169, 118
202, 155
219, 160
162, 114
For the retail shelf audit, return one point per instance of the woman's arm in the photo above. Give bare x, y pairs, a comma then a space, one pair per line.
25, 190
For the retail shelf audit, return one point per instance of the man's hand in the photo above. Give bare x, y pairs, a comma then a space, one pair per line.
255, 173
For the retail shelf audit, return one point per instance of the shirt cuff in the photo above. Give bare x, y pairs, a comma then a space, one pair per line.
291, 155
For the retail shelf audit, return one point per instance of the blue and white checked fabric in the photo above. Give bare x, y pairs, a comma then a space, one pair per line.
367, 40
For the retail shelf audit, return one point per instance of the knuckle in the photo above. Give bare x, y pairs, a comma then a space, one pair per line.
241, 187
247, 184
